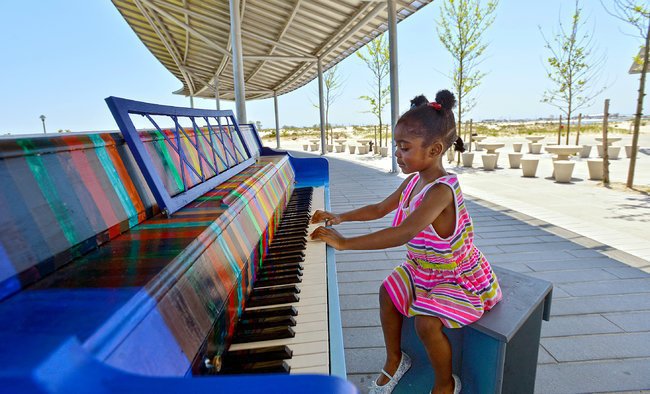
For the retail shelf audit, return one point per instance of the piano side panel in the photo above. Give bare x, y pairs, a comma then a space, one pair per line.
214, 287
61, 197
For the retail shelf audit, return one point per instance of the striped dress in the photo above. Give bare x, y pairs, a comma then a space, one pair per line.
444, 277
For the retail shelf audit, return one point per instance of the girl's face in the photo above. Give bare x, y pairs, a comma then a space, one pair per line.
412, 154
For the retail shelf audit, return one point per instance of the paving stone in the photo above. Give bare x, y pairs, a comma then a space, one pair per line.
517, 267
627, 272
591, 377
362, 276
360, 318
618, 286
568, 276
367, 257
585, 253
544, 357
600, 304
483, 242
361, 381
363, 337
532, 256
631, 321
531, 247
573, 263
598, 347
370, 287
365, 266
362, 301
533, 232
365, 360
562, 326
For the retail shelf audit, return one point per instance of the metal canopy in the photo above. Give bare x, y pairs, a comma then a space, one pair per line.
282, 39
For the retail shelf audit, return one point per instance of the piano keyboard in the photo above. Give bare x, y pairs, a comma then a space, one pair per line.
284, 328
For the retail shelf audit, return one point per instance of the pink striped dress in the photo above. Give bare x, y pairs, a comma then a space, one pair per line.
444, 277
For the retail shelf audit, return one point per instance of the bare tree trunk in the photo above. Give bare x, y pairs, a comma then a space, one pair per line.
470, 135
568, 127
639, 110
375, 128
559, 130
605, 145
578, 132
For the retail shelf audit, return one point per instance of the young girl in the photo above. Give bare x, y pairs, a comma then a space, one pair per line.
445, 280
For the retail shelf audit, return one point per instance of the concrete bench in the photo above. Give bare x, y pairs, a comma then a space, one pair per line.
468, 159
595, 167
563, 170
498, 353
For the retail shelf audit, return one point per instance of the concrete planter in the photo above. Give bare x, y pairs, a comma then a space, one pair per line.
340, 148
515, 159
612, 151
628, 151
563, 170
489, 161
305, 147
517, 146
362, 149
468, 159
314, 147
595, 169
585, 151
384, 151
352, 148
536, 148
330, 148
529, 167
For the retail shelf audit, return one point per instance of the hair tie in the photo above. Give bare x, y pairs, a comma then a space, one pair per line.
435, 105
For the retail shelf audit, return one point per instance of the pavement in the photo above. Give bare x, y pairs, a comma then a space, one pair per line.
589, 241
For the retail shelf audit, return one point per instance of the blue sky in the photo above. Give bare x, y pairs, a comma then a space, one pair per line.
62, 58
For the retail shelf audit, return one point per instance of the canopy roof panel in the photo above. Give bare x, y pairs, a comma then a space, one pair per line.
281, 39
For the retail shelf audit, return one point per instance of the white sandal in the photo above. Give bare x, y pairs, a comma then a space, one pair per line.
404, 365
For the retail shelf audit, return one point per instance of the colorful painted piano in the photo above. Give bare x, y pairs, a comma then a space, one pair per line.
180, 264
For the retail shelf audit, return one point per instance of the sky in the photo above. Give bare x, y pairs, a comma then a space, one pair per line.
62, 58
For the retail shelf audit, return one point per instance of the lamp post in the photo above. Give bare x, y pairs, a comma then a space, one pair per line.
43, 120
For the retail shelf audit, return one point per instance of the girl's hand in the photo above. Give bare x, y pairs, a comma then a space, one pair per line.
329, 236
329, 218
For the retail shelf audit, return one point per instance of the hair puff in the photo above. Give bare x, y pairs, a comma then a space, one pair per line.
446, 99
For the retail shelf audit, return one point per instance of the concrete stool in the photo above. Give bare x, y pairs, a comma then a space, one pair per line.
628, 151
340, 148
305, 146
613, 152
384, 151
330, 147
595, 169
450, 154
468, 159
563, 169
352, 149
489, 161
536, 148
515, 159
585, 152
477, 146
314, 147
529, 167
362, 149
517, 146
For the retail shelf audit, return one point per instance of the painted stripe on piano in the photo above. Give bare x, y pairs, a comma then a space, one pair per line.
116, 181
49, 192
165, 164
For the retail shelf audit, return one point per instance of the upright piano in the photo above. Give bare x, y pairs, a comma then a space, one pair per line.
172, 257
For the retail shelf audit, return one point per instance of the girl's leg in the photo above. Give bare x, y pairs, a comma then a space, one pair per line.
429, 329
391, 324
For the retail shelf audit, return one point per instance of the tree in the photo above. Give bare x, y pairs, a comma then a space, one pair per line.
333, 84
376, 57
573, 67
637, 14
460, 28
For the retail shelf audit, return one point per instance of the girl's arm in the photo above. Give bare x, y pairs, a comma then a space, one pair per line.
369, 212
434, 202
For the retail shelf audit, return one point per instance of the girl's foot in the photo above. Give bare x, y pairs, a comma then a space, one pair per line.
453, 387
387, 382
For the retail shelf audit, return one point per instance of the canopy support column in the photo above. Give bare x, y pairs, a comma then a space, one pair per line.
237, 61
394, 82
216, 92
277, 120
321, 106
191, 101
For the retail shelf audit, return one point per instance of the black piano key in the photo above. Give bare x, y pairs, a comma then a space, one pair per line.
288, 254
270, 321
289, 238
263, 334
269, 353
275, 366
268, 312
273, 299
285, 250
279, 280
275, 290
283, 260
271, 274
280, 266
301, 243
